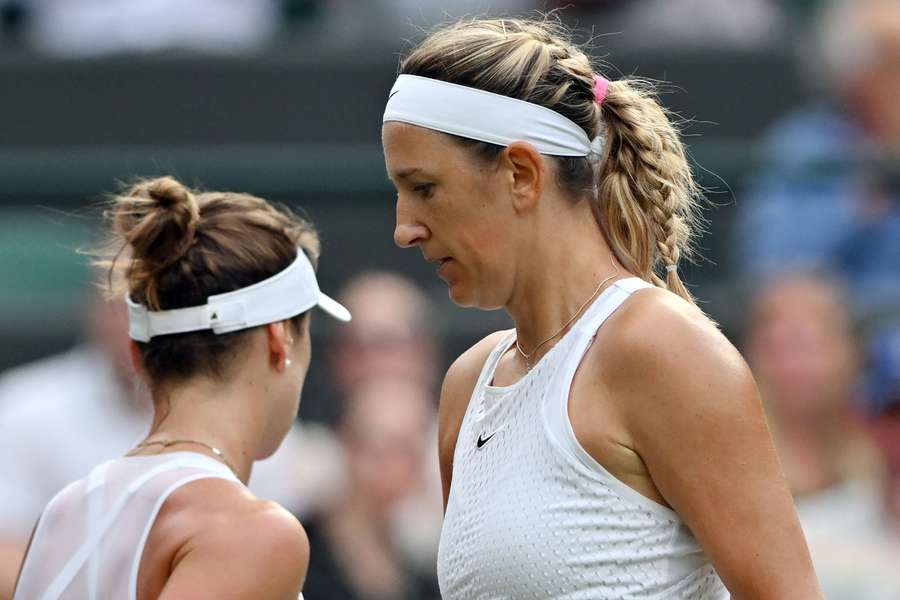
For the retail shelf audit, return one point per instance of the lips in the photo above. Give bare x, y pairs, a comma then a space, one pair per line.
443, 263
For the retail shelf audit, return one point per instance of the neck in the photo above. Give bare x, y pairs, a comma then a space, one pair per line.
215, 413
560, 273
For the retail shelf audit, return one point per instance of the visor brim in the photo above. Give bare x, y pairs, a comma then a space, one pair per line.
334, 308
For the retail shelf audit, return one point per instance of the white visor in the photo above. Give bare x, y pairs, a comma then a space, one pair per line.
479, 115
282, 296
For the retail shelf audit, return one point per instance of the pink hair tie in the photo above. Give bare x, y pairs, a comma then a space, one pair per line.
600, 87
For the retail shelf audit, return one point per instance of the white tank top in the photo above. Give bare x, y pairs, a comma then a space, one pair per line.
532, 515
89, 541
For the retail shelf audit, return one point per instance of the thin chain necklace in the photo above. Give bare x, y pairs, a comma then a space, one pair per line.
166, 443
527, 355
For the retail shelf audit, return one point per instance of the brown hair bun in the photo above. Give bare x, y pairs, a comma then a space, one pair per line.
158, 218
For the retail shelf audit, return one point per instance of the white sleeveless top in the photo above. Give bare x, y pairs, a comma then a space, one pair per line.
89, 541
532, 515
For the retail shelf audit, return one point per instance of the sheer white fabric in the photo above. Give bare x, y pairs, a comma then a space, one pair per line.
89, 541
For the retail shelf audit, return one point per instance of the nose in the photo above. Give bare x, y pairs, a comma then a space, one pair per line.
408, 232
407, 235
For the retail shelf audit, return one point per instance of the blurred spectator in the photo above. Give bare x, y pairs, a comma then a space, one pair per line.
802, 349
83, 28
391, 334
693, 24
882, 403
378, 541
88, 398
831, 195
352, 25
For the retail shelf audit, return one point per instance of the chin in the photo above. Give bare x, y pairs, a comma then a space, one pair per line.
467, 298
460, 295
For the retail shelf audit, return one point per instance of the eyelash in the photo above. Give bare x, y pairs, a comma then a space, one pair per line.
423, 189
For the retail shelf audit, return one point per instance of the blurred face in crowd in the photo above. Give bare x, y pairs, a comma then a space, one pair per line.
873, 89
801, 348
389, 335
384, 431
456, 209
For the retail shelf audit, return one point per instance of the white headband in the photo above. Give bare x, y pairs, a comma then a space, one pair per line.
284, 295
485, 116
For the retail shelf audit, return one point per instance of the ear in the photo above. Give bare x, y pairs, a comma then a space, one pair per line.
279, 344
527, 174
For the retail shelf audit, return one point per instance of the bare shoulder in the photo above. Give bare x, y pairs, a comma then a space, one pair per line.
657, 325
459, 383
694, 416
665, 351
225, 524
225, 513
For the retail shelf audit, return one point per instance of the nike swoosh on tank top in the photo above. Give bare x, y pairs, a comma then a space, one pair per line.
532, 515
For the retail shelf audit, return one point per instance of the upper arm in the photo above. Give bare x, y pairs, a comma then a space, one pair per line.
698, 424
455, 393
263, 555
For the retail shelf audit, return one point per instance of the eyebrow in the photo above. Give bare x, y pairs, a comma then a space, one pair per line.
404, 173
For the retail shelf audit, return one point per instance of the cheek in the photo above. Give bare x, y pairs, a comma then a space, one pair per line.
301, 359
482, 231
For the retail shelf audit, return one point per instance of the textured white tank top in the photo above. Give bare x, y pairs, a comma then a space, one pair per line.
532, 515
89, 541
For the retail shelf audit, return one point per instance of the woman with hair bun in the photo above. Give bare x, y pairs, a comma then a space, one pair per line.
613, 445
219, 289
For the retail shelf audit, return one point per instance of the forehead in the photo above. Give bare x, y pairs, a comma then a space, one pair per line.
409, 146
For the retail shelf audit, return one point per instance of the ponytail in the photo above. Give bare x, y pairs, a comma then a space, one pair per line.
648, 200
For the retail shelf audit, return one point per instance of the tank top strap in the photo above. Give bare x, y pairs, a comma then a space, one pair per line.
633, 284
198, 465
556, 406
608, 302
477, 397
490, 365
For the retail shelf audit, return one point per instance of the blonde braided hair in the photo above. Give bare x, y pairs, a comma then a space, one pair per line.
651, 198
644, 194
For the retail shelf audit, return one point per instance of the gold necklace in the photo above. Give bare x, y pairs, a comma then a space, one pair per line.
166, 443
527, 356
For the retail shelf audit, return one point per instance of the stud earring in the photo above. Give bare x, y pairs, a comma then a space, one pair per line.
287, 362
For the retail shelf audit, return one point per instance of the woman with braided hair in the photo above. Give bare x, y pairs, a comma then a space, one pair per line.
219, 288
613, 444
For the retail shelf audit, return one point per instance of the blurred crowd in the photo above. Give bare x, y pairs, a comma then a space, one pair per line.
78, 28
817, 244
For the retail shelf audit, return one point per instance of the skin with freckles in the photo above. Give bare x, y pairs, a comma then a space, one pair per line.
661, 400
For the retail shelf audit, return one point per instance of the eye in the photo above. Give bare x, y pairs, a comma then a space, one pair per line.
423, 189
